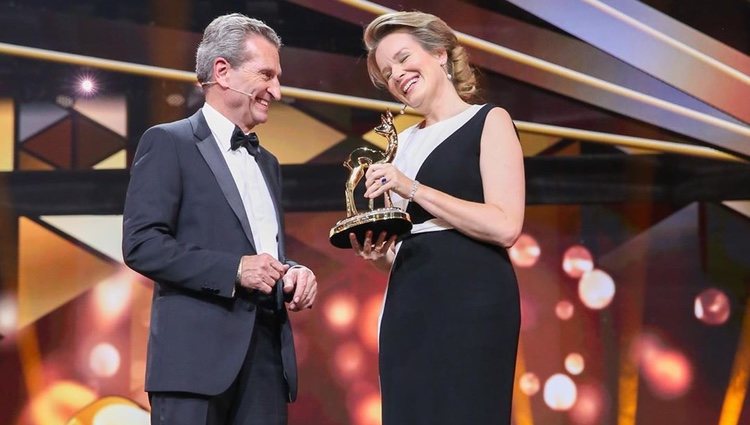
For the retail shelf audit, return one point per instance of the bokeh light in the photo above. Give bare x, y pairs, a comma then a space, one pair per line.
57, 403
525, 252
104, 360
577, 260
596, 289
668, 373
348, 360
112, 296
590, 405
340, 309
175, 100
574, 363
121, 414
368, 411
369, 319
645, 347
712, 307
87, 85
529, 383
65, 101
560, 392
564, 310
8, 314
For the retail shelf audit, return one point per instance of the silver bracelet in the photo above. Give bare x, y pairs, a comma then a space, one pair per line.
414, 187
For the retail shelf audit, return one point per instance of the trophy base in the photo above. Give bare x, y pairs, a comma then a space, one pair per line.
392, 220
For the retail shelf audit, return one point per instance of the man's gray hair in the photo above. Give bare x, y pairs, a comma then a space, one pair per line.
225, 37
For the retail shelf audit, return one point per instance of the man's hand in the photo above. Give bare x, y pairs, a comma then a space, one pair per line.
301, 281
260, 272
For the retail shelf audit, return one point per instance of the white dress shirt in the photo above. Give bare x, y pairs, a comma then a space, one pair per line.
253, 188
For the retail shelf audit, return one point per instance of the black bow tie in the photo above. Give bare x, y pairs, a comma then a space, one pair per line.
247, 141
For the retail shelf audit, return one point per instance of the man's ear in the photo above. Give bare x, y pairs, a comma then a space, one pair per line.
220, 71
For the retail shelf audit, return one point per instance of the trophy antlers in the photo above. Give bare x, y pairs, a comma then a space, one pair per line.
361, 158
388, 130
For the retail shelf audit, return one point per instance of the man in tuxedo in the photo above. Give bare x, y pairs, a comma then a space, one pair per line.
203, 220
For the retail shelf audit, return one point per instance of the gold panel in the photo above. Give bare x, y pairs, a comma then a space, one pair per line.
117, 161
7, 126
52, 271
28, 162
295, 137
533, 144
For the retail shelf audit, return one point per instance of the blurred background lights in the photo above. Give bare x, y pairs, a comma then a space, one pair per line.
645, 347
712, 307
564, 310
340, 310
596, 289
8, 314
589, 406
58, 402
574, 363
64, 101
525, 252
528, 383
104, 360
668, 373
577, 260
175, 100
560, 392
348, 359
121, 415
112, 296
87, 85
369, 320
367, 411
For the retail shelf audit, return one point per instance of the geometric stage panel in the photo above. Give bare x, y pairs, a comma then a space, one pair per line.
52, 271
100, 232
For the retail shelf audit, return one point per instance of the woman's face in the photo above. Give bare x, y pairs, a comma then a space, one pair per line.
412, 73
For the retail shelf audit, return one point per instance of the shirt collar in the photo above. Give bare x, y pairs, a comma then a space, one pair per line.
220, 126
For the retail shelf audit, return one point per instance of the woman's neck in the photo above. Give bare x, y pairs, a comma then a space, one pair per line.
445, 105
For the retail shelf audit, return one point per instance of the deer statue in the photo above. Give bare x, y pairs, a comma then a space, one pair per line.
361, 158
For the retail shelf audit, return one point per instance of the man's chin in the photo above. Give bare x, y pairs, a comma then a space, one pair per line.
260, 117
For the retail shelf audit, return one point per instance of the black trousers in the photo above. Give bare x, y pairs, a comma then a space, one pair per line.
257, 397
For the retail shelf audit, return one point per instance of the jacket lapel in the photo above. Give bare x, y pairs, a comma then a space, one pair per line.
215, 160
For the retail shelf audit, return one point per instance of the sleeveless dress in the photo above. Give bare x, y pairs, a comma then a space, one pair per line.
450, 322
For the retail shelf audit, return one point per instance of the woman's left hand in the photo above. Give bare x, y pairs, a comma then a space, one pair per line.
382, 177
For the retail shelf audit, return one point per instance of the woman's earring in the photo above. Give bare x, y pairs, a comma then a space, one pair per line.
403, 109
447, 73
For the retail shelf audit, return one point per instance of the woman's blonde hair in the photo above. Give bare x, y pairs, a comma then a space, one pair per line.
434, 35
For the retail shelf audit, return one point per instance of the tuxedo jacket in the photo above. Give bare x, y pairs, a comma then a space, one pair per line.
185, 227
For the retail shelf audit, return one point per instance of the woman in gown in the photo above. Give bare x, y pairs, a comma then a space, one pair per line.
450, 323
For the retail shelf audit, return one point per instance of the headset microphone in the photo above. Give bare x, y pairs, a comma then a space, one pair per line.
251, 94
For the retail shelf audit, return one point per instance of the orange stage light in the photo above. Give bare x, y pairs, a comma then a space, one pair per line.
560, 392
340, 309
525, 252
577, 260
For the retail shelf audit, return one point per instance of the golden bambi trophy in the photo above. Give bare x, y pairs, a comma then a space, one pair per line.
390, 219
